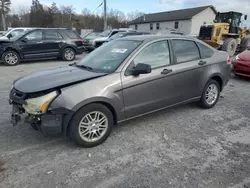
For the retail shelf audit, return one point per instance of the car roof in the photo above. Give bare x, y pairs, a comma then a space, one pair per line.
154, 37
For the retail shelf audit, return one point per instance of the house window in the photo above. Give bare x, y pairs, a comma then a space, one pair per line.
176, 25
151, 26
136, 27
157, 25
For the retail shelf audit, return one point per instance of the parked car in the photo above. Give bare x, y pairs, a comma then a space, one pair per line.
14, 32
41, 44
121, 80
125, 34
241, 65
88, 41
109, 33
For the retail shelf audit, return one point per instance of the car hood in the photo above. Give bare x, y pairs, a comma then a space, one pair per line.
101, 39
245, 56
4, 38
53, 78
92, 37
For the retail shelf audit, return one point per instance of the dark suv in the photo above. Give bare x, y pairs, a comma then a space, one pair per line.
41, 44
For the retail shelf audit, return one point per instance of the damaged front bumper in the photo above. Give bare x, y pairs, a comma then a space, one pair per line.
53, 122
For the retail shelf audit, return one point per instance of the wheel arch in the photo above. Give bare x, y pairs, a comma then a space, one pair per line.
67, 46
106, 102
217, 77
15, 50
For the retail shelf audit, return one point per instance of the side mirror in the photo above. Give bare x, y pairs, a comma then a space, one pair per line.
9, 36
25, 40
141, 68
245, 17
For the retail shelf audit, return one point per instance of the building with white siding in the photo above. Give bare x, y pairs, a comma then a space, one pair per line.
186, 21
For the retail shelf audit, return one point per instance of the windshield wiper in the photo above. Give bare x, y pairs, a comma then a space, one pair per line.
85, 67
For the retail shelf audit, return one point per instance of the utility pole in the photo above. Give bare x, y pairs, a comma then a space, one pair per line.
105, 14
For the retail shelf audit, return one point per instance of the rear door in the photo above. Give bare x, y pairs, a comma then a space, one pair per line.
31, 45
189, 67
52, 43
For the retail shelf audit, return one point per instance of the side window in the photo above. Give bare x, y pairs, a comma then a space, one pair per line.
206, 52
176, 25
36, 35
114, 32
52, 35
136, 27
185, 50
155, 55
151, 26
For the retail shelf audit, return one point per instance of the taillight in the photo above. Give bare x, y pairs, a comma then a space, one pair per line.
80, 40
228, 60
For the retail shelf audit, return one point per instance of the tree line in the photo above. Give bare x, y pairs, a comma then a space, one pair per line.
55, 16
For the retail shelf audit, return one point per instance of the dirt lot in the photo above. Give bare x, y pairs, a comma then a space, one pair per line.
180, 147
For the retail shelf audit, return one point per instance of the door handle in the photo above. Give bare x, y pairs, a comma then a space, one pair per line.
202, 62
166, 71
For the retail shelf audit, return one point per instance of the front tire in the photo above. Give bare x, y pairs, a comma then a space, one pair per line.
210, 95
91, 125
68, 54
11, 58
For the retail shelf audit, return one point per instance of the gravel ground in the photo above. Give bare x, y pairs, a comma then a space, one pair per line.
180, 147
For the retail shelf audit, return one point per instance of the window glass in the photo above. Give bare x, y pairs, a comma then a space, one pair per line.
107, 58
151, 26
176, 25
52, 35
136, 27
158, 26
16, 32
155, 55
185, 50
36, 35
71, 34
206, 52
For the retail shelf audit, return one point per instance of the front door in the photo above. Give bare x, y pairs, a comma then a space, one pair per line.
148, 92
31, 45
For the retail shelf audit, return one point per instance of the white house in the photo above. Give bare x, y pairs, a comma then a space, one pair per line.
186, 21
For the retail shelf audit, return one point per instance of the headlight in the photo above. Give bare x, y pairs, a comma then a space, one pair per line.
39, 105
237, 57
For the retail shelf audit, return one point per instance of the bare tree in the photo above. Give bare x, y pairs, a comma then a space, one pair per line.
4, 10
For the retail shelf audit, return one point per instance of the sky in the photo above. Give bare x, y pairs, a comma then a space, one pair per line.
146, 6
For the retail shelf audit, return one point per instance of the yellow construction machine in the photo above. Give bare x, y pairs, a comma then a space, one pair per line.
226, 34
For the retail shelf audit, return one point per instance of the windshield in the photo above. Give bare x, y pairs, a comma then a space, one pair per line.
108, 57
19, 35
233, 19
117, 35
105, 33
93, 34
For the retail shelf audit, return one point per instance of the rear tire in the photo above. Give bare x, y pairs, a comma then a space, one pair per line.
91, 125
210, 95
11, 58
230, 46
68, 54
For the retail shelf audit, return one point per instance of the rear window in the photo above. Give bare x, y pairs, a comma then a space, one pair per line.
206, 52
71, 34
185, 50
52, 35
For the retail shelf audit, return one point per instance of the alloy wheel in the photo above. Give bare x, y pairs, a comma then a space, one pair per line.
11, 58
93, 126
211, 94
69, 55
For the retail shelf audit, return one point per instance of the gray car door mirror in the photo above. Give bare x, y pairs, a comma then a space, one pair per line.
141, 68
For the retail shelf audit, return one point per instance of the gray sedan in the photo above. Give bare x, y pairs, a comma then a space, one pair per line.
121, 80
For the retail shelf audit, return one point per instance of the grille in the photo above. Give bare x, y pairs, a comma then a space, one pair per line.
206, 32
